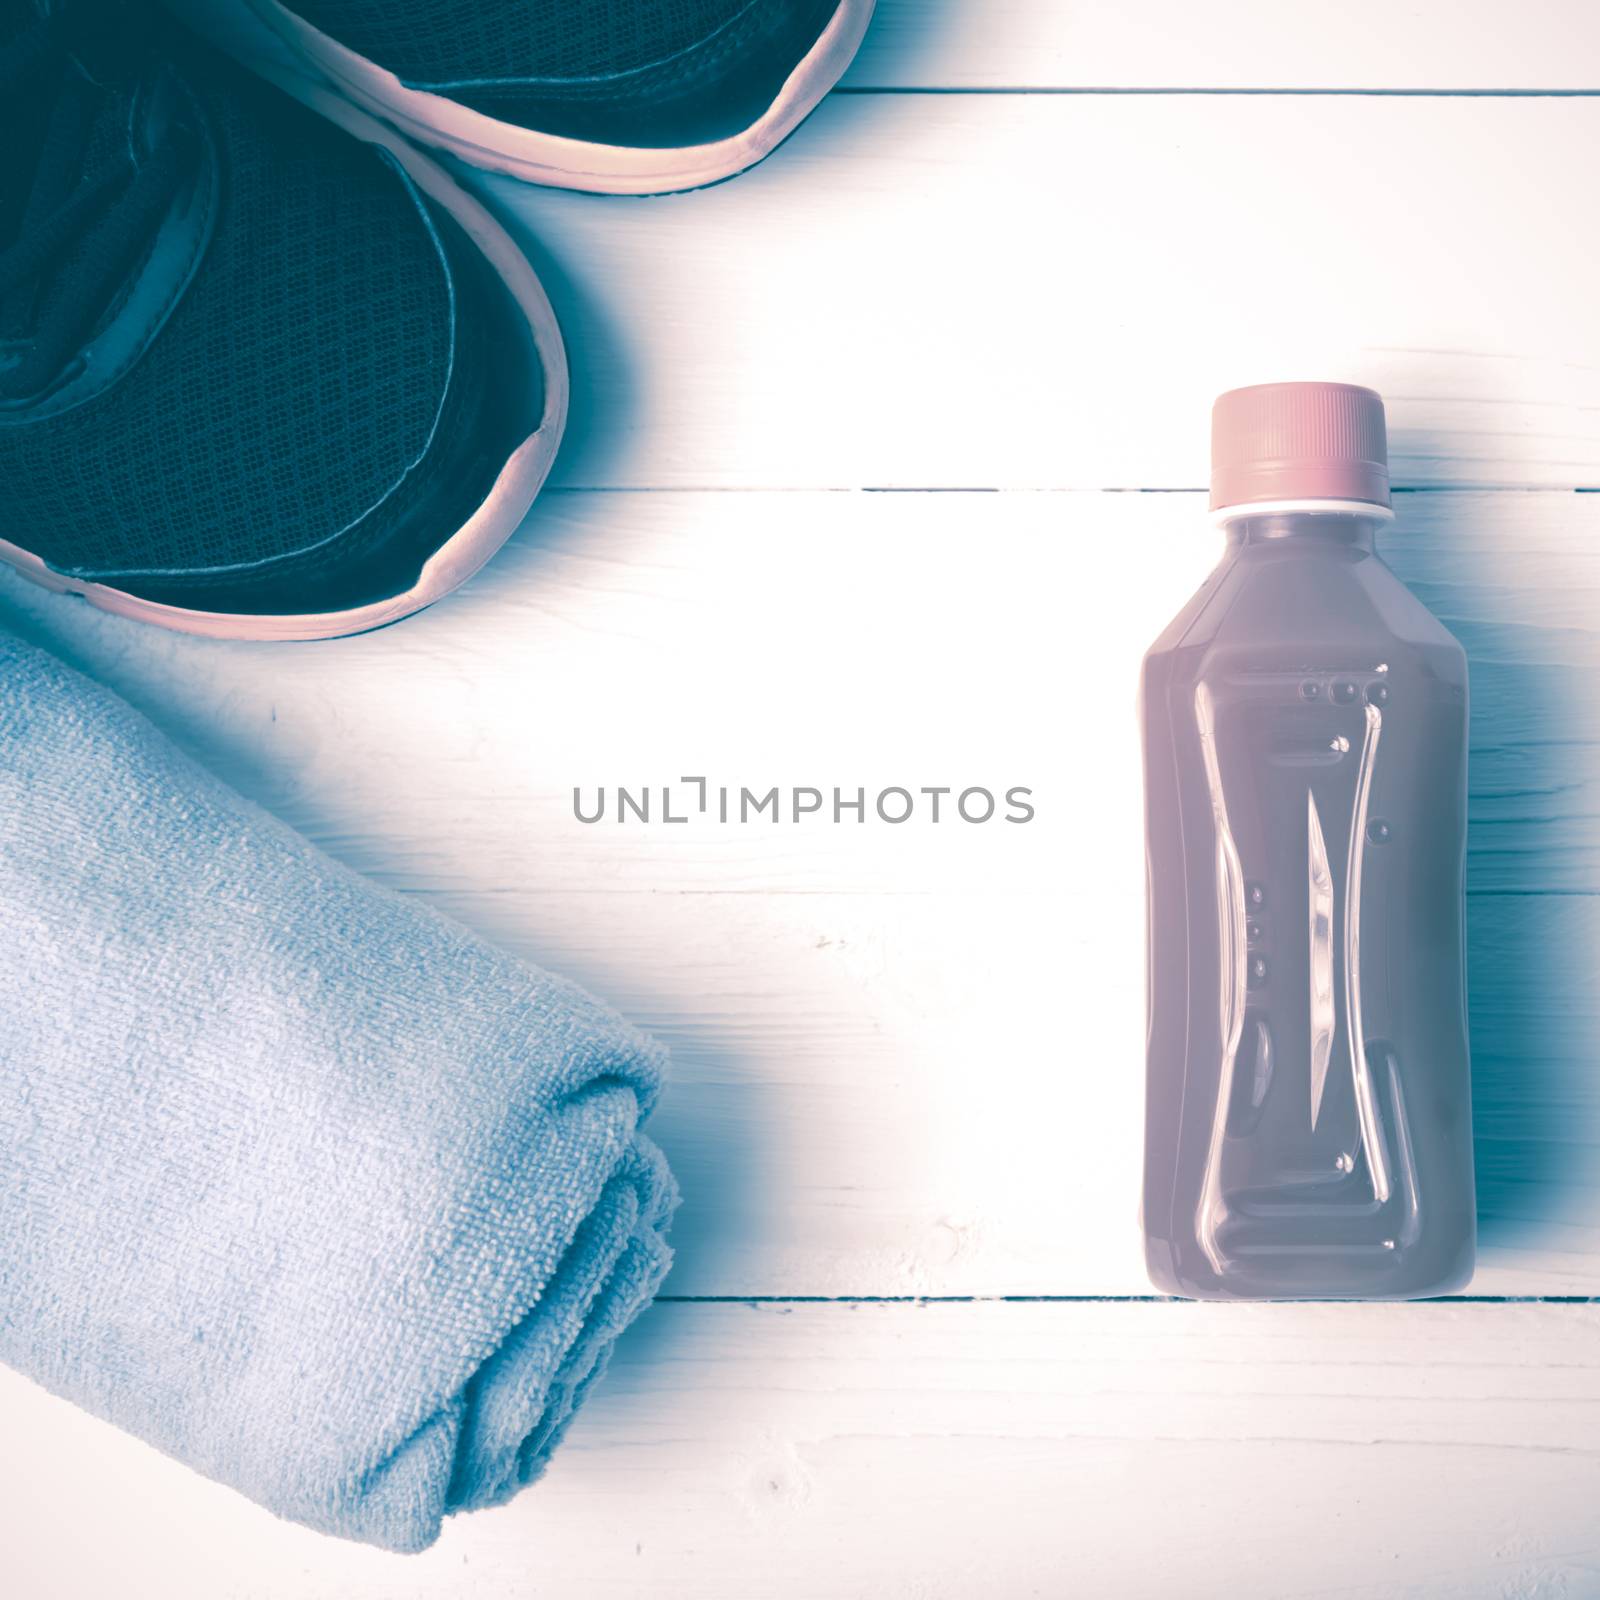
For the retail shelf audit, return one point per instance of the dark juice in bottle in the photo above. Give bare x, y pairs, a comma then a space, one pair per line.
1308, 1119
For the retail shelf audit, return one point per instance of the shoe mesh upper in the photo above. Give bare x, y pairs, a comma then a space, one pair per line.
460, 41
291, 387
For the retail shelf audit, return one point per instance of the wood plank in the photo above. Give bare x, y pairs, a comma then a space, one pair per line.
858, 1010
1237, 44
1048, 292
837, 641
940, 1452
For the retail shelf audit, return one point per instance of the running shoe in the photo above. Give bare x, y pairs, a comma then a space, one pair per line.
258, 379
610, 96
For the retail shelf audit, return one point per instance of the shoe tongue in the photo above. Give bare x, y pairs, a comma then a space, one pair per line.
24, 109
108, 38
59, 126
15, 15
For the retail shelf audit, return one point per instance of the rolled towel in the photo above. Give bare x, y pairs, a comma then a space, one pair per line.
300, 1182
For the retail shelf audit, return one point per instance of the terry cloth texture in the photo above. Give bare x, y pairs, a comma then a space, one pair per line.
299, 1182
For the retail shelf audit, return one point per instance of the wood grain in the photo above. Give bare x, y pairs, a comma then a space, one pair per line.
908, 1058
1047, 292
1230, 44
941, 1453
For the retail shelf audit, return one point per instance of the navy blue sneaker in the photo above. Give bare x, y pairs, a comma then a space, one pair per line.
611, 96
258, 379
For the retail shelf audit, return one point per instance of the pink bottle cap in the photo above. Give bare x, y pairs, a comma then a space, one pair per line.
1298, 441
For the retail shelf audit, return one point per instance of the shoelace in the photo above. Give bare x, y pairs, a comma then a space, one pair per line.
89, 205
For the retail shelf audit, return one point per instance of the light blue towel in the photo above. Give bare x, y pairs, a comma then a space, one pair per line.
299, 1182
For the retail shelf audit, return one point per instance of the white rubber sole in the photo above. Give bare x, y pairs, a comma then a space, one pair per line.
557, 162
494, 521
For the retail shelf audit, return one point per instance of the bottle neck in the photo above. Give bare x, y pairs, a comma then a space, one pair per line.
1343, 526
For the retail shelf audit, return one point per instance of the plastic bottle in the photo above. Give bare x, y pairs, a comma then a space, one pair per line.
1308, 1127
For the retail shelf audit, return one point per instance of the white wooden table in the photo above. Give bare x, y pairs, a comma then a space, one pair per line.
884, 470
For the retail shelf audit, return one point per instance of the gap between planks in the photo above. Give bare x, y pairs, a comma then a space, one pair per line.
564, 489
1091, 91
1094, 1300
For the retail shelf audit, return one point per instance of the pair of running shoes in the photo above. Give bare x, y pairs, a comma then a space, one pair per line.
262, 379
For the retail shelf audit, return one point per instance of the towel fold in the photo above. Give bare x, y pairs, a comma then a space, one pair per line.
299, 1182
